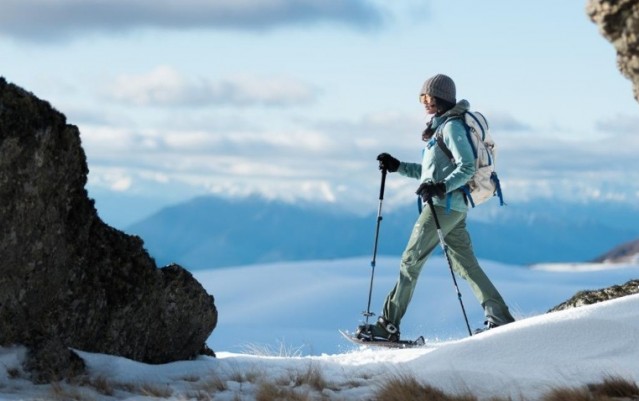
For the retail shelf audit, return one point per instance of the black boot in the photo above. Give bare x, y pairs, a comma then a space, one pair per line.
383, 330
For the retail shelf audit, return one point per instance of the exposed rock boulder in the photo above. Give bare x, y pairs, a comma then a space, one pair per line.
592, 297
68, 280
618, 21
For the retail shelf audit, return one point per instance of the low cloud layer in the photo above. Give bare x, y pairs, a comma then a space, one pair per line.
45, 20
335, 161
620, 124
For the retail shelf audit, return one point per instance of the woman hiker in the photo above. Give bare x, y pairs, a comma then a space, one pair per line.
440, 180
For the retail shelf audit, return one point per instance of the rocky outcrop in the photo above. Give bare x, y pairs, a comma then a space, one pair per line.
67, 280
593, 296
618, 21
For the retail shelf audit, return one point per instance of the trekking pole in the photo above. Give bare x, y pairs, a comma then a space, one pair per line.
450, 266
368, 312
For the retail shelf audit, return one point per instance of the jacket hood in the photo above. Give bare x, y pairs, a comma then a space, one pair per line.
461, 107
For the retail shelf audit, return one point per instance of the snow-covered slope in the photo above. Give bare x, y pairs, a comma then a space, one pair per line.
526, 358
302, 305
529, 357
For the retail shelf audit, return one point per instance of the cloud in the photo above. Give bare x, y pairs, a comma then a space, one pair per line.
166, 87
334, 160
298, 161
116, 179
272, 153
393, 132
620, 124
46, 20
506, 122
603, 153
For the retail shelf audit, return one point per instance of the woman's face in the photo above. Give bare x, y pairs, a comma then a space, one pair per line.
429, 103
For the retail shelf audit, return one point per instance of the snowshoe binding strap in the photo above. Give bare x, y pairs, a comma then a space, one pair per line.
387, 325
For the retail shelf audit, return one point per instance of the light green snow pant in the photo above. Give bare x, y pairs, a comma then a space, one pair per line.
422, 242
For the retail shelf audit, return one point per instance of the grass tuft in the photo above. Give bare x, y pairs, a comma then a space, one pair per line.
615, 387
152, 390
312, 377
307, 384
212, 384
407, 388
283, 350
568, 394
61, 391
611, 388
102, 385
271, 392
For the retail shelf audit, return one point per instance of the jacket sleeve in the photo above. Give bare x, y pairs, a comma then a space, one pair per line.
412, 170
460, 147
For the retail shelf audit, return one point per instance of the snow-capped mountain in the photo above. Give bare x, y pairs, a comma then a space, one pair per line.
625, 253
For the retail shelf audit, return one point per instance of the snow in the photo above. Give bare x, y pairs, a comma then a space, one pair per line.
278, 323
302, 305
582, 267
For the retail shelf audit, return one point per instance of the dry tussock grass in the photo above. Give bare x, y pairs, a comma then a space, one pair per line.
305, 385
153, 390
283, 350
271, 392
407, 388
615, 387
310, 384
610, 389
568, 394
62, 391
312, 377
213, 384
102, 385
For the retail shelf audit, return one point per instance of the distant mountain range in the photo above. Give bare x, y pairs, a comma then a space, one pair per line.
210, 232
624, 253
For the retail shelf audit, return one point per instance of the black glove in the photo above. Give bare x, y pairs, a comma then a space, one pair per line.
388, 162
429, 190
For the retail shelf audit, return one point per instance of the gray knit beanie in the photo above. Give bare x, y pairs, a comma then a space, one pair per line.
441, 86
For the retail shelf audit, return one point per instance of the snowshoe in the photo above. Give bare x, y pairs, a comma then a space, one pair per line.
380, 342
383, 330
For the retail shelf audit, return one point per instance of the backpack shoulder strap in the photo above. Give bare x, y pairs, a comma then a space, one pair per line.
439, 137
440, 142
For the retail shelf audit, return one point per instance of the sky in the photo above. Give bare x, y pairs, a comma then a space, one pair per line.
294, 99
522, 360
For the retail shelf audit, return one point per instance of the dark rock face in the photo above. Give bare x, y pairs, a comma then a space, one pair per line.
618, 21
592, 297
66, 278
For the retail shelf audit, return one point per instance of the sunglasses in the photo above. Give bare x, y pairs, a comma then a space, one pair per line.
425, 99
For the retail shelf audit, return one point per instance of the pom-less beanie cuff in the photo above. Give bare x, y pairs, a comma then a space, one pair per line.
441, 86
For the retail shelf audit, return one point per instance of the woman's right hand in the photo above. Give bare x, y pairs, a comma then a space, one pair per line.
387, 162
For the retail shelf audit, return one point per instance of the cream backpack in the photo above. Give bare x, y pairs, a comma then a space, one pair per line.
484, 184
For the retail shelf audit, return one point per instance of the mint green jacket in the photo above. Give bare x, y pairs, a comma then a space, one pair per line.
437, 167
